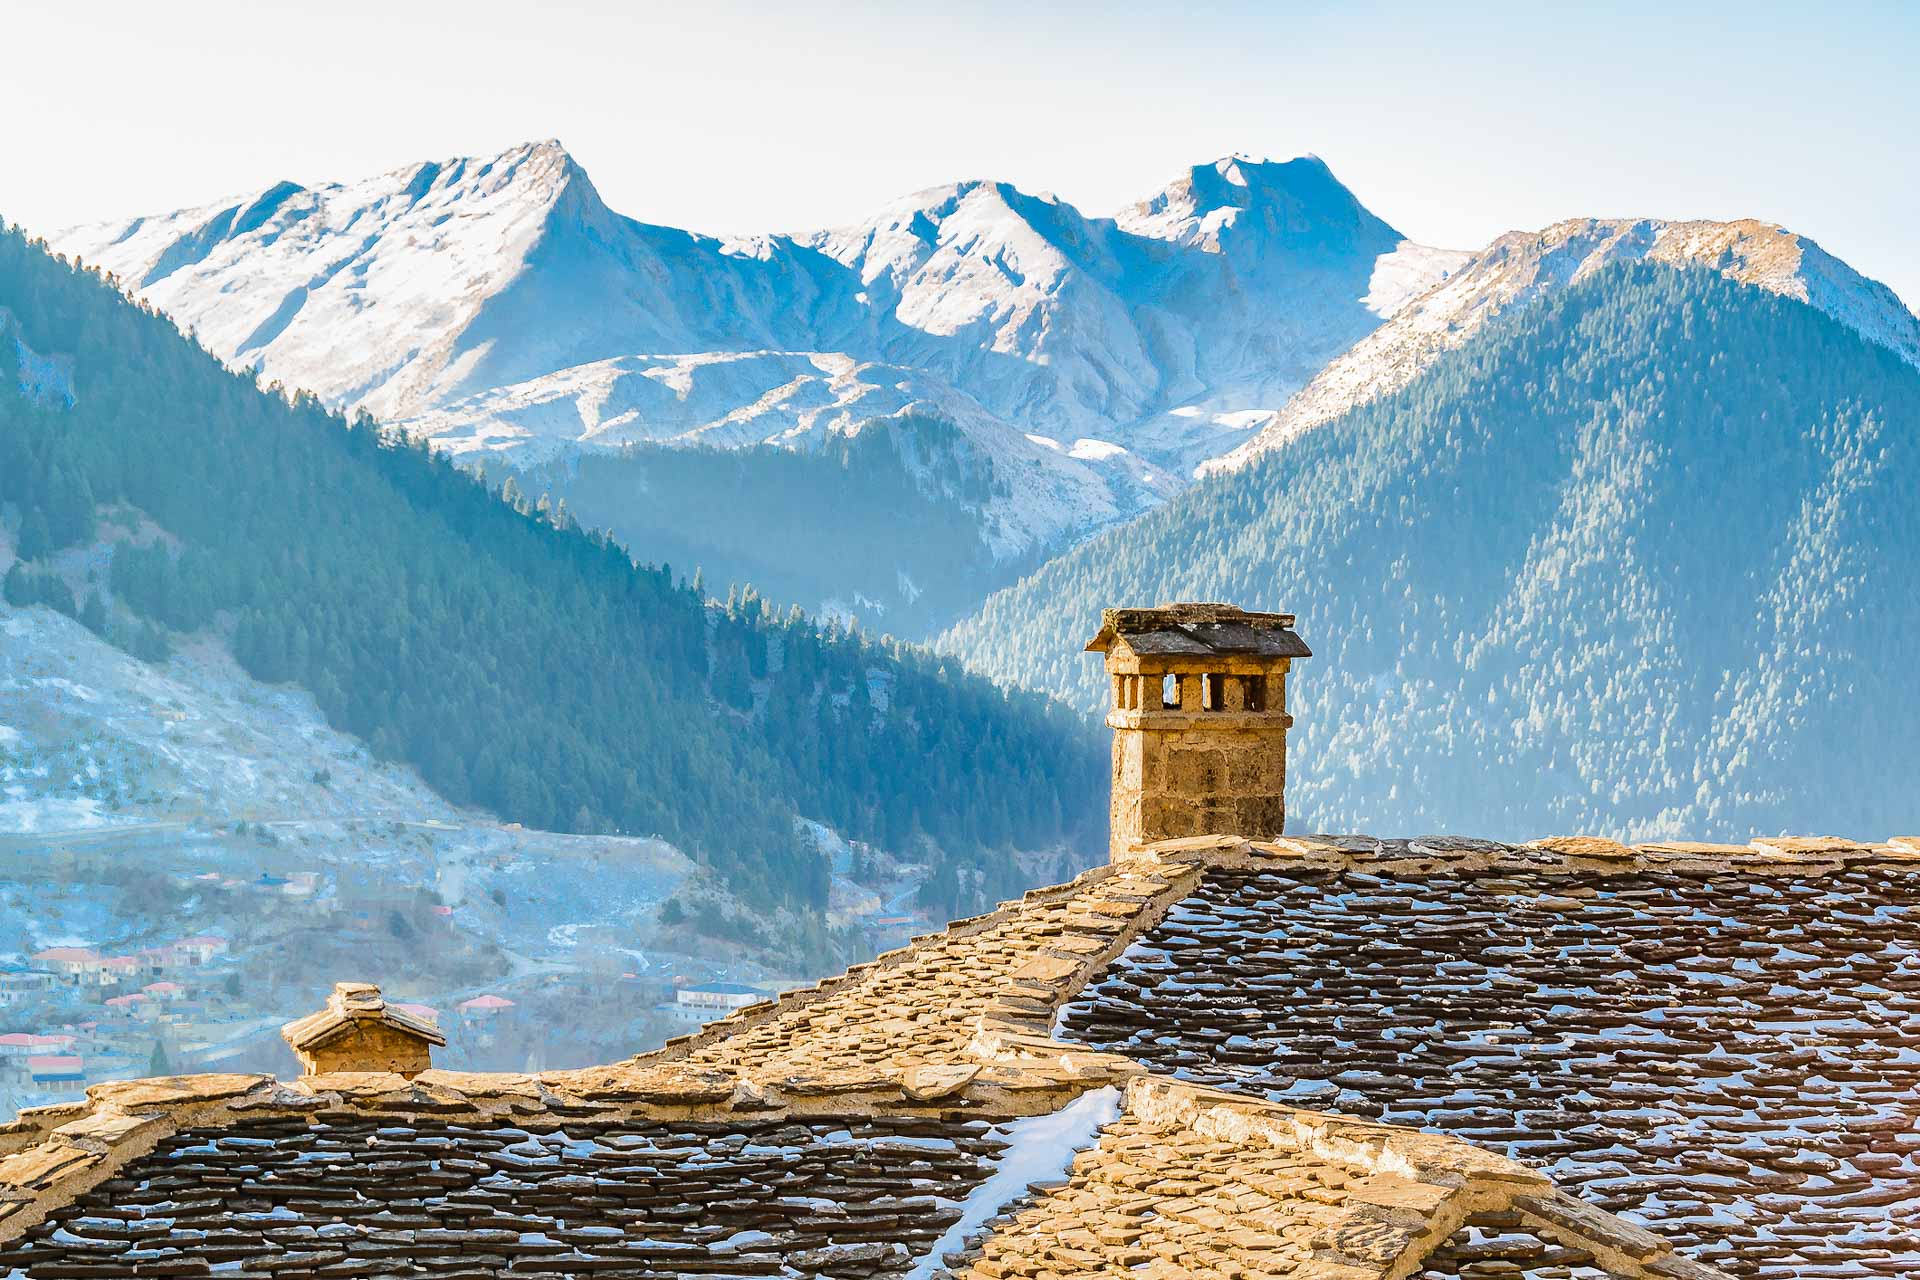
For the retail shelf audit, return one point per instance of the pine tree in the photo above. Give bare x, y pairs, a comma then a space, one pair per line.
35, 541
93, 614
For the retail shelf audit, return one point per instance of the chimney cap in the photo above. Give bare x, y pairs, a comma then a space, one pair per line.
1198, 629
355, 1004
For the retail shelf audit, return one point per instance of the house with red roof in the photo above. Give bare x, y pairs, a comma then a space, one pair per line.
20, 1044
19, 1051
136, 1004
486, 1006
114, 969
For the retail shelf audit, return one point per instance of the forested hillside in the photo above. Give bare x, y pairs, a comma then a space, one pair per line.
885, 525
521, 663
1640, 559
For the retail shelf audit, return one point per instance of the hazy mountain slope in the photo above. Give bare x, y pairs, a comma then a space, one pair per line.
882, 526
1638, 559
1520, 266
499, 306
516, 661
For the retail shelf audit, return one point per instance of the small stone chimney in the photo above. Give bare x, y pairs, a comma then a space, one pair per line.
359, 1031
1199, 717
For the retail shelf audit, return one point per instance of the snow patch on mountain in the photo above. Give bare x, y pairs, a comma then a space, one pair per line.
498, 305
1520, 266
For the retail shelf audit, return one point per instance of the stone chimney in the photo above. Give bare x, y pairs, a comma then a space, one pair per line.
1198, 709
359, 1031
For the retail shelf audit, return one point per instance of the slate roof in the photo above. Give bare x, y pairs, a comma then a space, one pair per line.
1198, 631
1720, 1042
356, 1003
354, 1195
1591, 1032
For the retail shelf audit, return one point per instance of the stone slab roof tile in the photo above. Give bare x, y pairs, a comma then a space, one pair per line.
963, 1026
1195, 1182
1719, 1038
355, 1004
1199, 630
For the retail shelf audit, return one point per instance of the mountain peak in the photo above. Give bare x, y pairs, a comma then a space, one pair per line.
541, 170
1297, 200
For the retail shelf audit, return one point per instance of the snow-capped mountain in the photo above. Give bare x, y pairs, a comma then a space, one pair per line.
1523, 265
498, 305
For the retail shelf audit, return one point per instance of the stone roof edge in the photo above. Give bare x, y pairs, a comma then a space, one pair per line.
1766, 855
50, 1156
122, 1122
1478, 1180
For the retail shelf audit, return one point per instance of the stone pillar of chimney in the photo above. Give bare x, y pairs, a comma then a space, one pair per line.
1197, 701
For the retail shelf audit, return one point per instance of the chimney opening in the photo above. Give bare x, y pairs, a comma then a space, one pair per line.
1213, 692
1254, 691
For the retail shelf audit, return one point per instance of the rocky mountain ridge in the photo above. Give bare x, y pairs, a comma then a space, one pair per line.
497, 305
1079, 369
1521, 266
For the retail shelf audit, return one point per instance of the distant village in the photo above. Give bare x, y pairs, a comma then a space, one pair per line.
106, 1016
79, 1013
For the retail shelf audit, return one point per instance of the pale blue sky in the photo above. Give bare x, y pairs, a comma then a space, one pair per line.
1453, 123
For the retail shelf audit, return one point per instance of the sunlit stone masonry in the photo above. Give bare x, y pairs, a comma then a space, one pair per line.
1215, 1057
